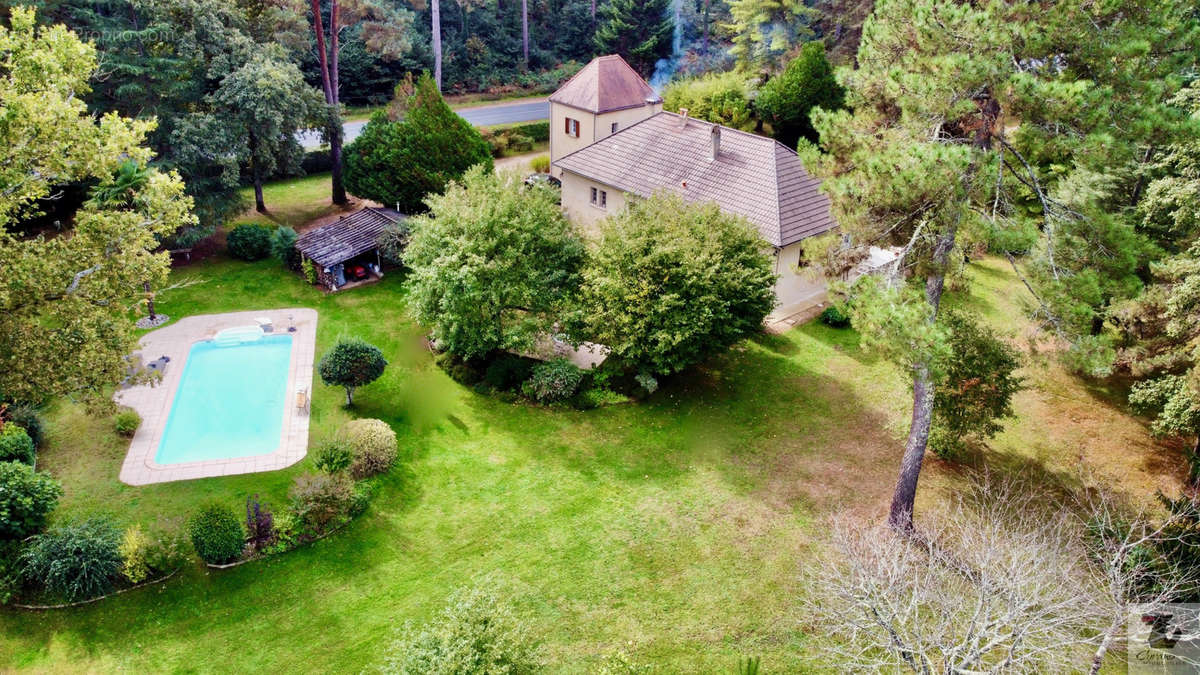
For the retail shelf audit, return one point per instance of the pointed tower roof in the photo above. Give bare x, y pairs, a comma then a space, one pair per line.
604, 85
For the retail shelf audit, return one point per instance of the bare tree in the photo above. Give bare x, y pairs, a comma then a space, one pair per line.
1003, 579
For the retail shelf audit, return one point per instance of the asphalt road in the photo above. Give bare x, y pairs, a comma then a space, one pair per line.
487, 115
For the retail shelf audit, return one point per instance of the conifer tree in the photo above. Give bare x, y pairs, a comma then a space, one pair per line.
639, 31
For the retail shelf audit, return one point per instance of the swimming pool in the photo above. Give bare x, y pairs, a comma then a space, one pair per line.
230, 401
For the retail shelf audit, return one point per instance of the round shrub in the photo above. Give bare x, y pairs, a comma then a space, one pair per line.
15, 444
540, 164
77, 561
475, 633
249, 241
834, 317
351, 364
555, 380
28, 418
372, 444
26, 498
332, 457
217, 535
321, 500
127, 422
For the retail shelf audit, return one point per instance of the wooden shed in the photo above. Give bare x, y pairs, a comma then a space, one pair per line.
346, 251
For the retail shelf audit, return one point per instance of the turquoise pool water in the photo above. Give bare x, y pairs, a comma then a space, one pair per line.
229, 402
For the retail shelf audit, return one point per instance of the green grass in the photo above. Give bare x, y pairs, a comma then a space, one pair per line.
291, 202
673, 529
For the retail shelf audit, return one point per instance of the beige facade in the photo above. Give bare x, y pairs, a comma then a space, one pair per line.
591, 127
577, 201
797, 285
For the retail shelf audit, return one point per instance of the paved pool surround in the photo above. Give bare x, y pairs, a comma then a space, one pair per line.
153, 402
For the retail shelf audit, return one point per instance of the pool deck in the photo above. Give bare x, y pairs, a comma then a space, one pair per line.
153, 402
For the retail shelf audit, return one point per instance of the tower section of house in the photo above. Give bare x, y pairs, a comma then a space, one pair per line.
603, 98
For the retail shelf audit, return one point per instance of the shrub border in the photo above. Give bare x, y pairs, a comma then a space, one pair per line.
97, 598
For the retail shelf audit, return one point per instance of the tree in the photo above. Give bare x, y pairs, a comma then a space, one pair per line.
26, 499
399, 163
722, 98
1001, 579
1170, 209
672, 283
77, 561
265, 102
976, 387
387, 27
764, 30
493, 263
1161, 328
640, 31
786, 99
923, 157
351, 364
80, 283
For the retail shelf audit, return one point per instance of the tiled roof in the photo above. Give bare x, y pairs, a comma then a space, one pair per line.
604, 85
347, 236
753, 176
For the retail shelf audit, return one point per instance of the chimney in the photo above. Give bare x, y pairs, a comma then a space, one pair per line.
683, 112
716, 141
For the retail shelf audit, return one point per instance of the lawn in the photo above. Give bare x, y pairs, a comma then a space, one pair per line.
673, 529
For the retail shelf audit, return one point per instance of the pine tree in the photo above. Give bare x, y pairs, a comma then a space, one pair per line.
922, 156
639, 31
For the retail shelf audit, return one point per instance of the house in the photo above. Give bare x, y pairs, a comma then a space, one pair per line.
606, 96
346, 251
743, 173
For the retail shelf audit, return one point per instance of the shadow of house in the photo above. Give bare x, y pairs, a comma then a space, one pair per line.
345, 253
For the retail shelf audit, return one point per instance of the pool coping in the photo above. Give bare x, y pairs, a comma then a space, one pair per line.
153, 401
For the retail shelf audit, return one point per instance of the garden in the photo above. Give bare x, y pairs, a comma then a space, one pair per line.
638, 526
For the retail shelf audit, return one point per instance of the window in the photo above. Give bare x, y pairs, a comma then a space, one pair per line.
614, 128
571, 127
599, 198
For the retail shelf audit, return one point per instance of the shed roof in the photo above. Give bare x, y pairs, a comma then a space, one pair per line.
752, 176
605, 84
347, 236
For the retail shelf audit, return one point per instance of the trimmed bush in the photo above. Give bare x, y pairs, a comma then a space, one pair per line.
127, 421
168, 549
552, 381
283, 247
508, 371
75, 562
249, 241
217, 534
333, 456
351, 364
475, 633
372, 444
834, 317
28, 418
540, 164
26, 498
321, 500
15, 445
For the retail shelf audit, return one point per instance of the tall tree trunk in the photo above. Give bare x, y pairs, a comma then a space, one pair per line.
593, 10
329, 88
900, 516
256, 175
335, 138
704, 43
525, 30
149, 301
435, 11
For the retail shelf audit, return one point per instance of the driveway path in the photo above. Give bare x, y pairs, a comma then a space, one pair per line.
484, 115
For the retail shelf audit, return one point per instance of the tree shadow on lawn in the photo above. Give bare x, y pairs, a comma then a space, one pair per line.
794, 438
